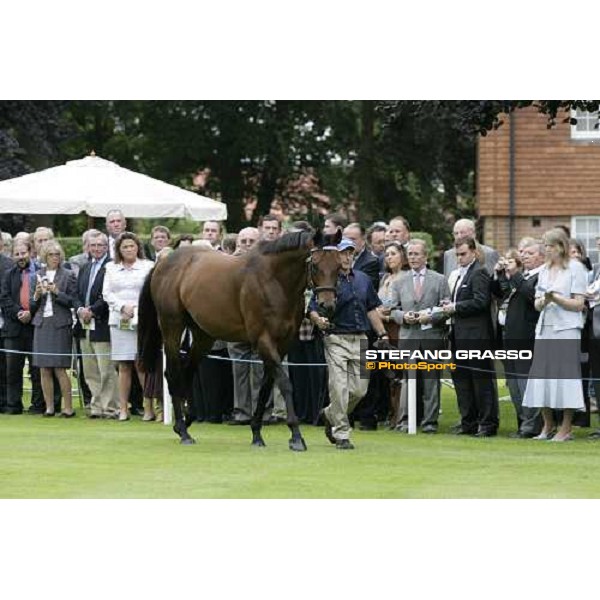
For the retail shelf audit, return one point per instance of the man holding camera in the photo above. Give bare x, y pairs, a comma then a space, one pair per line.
517, 319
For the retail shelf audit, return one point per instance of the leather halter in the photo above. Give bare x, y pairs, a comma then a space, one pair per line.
311, 269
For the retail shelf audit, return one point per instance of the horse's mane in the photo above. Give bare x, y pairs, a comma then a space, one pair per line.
288, 241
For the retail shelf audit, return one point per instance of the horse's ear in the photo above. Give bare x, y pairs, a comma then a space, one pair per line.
317, 238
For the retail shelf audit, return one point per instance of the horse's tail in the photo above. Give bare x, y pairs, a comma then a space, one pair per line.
149, 334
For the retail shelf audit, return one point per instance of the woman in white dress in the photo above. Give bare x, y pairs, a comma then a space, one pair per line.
122, 284
562, 283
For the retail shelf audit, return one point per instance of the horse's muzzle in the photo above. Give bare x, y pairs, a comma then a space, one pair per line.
326, 300
327, 309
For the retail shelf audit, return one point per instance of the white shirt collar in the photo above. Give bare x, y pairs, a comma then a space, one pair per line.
463, 270
533, 272
136, 265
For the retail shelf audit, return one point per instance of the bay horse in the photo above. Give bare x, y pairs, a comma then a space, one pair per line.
257, 298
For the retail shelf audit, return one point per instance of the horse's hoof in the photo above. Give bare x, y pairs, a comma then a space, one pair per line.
297, 445
188, 441
259, 443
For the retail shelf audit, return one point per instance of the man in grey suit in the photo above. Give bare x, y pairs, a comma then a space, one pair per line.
465, 228
420, 294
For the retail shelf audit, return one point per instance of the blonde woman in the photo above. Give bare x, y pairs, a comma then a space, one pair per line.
51, 305
559, 297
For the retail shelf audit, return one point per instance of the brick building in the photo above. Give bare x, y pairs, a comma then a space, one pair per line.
531, 178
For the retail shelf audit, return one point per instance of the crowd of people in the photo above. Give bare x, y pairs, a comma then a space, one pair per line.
86, 306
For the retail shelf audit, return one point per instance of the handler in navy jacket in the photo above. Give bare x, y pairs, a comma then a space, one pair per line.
355, 312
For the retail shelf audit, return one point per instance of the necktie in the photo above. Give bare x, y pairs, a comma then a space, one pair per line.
93, 272
457, 284
24, 293
418, 287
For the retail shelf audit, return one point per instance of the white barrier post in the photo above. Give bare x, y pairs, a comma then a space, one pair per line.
167, 402
412, 402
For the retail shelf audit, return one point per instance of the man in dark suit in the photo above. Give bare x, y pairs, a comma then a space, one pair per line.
160, 237
376, 243
593, 298
364, 259
399, 231
17, 333
93, 331
5, 265
520, 318
474, 380
212, 231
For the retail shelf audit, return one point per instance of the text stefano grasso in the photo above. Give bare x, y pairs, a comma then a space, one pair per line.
444, 355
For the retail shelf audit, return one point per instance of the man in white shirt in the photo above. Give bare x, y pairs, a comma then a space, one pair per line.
474, 380
115, 225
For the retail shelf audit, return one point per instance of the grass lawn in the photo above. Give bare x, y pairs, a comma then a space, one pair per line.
83, 458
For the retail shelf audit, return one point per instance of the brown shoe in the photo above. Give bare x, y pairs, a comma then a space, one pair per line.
344, 445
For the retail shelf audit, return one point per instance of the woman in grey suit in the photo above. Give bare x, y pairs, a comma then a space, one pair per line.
52, 321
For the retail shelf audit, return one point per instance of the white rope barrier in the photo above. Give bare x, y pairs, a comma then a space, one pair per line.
167, 400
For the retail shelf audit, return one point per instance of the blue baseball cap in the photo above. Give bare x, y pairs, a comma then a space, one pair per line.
345, 244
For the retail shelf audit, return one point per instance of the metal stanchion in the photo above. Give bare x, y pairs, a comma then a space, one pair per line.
412, 402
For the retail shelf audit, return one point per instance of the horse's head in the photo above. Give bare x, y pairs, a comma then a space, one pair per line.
324, 266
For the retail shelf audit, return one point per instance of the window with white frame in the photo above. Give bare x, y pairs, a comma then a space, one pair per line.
586, 230
587, 127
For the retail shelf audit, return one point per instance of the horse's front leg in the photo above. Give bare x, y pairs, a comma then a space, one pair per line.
284, 384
